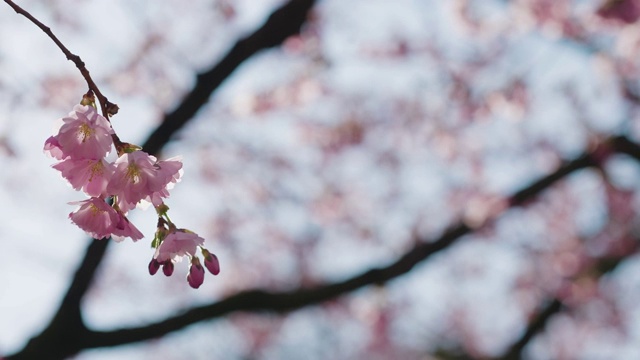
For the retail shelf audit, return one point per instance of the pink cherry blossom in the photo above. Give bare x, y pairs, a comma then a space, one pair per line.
85, 134
195, 278
177, 244
139, 176
100, 220
95, 217
92, 176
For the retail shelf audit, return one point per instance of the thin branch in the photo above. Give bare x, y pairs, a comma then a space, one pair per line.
537, 325
107, 107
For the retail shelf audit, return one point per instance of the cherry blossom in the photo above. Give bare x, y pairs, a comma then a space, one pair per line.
81, 145
100, 220
139, 176
90, 175
178, 244
95, 216
85, 134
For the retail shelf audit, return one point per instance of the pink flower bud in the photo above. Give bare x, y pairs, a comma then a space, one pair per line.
196, 273
154, 265
211, 262
167, 268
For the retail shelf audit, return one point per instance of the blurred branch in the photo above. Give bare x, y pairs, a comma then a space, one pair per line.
537, 325
263, 301
623, 145
603, 265
284, 22
63, 336
107, 107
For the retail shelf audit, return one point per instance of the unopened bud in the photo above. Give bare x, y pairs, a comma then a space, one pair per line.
211, 262
154, 265
167, 268
195, 278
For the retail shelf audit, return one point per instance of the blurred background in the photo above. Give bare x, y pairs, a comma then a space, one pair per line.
378, 126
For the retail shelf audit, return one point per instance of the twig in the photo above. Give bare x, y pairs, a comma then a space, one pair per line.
107, 107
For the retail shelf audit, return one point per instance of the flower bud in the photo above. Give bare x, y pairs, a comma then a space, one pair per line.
211, 262
196, 273
167, 268
154, 265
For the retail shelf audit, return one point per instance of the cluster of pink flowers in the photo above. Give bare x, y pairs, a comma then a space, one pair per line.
114, 188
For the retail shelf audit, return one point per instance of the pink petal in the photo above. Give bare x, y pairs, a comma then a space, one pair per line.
126, 229
52, 147
95, 217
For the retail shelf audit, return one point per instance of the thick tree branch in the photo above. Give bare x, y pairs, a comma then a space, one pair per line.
263, 301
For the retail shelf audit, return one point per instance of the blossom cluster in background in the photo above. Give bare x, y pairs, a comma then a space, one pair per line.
82, 145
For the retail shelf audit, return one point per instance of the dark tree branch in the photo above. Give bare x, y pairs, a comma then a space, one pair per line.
65, 332
623, 145
283, 23
536, 326
263, 301
554, 306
